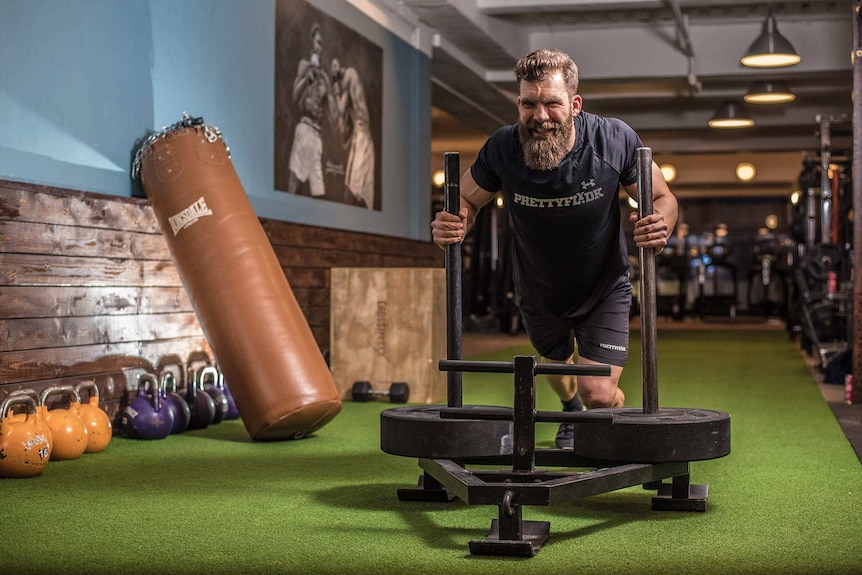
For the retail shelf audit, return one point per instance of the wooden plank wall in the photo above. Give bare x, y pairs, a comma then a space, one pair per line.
89, 290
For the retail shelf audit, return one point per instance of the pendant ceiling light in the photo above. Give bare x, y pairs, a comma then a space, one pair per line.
769, 93
730, 114
770, 49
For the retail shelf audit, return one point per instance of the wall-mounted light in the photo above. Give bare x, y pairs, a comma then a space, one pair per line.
730, 114
498, 201
771, 221
770, 49
438, 179
745, 171
669, 172
769, 92
794, 197
721, 231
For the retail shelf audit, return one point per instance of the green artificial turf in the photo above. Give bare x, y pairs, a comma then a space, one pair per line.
787, 499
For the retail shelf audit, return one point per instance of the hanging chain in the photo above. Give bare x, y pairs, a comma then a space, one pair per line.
211, 133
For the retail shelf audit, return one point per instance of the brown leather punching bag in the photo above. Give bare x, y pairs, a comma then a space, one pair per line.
260, 338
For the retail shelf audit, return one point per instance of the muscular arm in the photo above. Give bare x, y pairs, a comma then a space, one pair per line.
342, 92
337, 107
655, 229
448, 228
299, 83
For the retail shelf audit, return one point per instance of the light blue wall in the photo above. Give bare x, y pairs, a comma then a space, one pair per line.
82, 81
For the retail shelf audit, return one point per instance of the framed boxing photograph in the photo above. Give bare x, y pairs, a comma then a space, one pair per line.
328, 100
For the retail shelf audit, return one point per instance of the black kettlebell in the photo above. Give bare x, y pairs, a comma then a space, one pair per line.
175, 402
212, 388
202, 408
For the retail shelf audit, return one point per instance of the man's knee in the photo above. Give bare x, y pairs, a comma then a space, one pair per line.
600, 394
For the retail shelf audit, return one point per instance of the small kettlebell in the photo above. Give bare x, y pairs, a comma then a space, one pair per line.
232, 410
147, 416
100, 430
67, 429
214, 391
24, 448
175, 402
41, 411
201, 405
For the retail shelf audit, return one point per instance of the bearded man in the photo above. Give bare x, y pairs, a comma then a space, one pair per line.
560, 169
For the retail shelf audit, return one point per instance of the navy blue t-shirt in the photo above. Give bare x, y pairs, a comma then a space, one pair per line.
569, 248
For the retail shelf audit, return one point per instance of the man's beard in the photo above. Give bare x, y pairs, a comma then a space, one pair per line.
545, 153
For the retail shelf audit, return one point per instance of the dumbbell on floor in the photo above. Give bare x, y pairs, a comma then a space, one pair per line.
399, 392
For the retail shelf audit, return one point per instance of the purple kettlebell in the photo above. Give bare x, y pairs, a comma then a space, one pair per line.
201, 405
147, 416
175, 402
211, 388
232, 411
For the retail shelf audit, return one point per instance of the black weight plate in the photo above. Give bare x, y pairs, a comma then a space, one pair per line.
419, 431
671, 435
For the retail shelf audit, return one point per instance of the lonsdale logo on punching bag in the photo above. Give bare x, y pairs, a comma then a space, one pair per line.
189, 215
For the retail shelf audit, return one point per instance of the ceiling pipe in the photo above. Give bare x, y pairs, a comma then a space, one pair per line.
685, 45
454, 92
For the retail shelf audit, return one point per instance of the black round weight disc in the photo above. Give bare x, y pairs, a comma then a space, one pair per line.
671, 435
419, 431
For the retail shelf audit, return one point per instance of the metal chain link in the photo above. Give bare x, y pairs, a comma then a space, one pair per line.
211, 133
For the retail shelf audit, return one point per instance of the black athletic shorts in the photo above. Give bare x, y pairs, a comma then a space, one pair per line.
602, 335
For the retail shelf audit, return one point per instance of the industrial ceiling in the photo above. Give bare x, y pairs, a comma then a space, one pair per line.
663, 66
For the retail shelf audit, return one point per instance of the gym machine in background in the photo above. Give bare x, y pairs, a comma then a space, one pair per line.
718, 290
854, 390
768, 278
822, 270
708, 271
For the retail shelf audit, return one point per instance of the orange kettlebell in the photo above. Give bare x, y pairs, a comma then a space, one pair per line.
41, 412
67, 430
25, 392
24, 448
98, 424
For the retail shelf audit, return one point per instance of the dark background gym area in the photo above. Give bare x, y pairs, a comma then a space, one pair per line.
755, 294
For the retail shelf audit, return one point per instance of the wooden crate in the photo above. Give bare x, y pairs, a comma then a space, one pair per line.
389, 324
